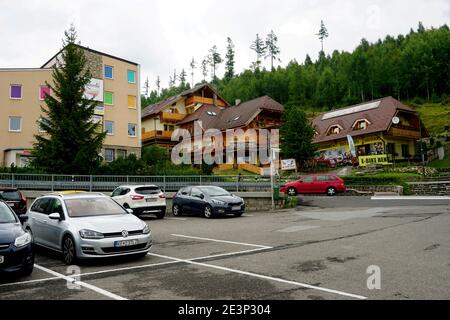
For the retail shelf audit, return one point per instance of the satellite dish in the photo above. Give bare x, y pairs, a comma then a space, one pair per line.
395, 120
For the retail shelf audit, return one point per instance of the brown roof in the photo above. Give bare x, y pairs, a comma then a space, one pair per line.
378, 112
232, 117
158, 107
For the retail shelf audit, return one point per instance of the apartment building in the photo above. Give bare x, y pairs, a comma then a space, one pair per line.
115, 85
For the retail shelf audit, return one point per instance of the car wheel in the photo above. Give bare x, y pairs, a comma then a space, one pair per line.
292, 191
331, 191
176, 210
141, 255
208, 212
161, 214
126, 206
26, 271
69, 252
238, 214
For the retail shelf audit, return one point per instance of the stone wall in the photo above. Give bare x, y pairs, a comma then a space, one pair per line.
434, 188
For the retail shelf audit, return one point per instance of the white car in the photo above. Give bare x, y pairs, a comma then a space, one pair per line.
144, 199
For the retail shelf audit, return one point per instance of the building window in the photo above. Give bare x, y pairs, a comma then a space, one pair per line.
44, 91
121, 153
361, 124
132, 102
109, 155
108, 72
132, 129
168, 127
109, 98
15, 91
334, 129
109, 128
15, 124
131, 76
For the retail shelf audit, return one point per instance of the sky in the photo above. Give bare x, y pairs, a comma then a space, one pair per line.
164, 35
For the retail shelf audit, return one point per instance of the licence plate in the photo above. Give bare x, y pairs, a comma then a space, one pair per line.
236, 208
125, 243
151, 199
2, 259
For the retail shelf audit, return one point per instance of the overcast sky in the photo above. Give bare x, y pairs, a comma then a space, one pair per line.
163, 35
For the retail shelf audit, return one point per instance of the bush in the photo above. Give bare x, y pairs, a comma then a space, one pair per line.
290, 202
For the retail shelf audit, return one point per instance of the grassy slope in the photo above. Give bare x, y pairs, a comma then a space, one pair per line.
444, 163
435, 116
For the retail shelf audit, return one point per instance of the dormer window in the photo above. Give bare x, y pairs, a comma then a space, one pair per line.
361, 124
334, 129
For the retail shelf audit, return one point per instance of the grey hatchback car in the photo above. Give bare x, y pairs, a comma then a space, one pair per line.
84, 225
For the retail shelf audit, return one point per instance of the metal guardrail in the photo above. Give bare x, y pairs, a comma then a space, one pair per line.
109, 183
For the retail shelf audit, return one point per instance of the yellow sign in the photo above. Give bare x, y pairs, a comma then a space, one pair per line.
377, 159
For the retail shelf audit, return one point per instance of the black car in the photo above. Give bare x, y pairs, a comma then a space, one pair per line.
209, 201
14, 198
16, 244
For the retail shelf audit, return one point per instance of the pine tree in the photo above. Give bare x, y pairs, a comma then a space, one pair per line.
272, 49
182, 77
308, 60
193, 66
323, 33
204, 67
158, 85
260, 50
146, 87
229, 60
73, 141
296, 135
214, 59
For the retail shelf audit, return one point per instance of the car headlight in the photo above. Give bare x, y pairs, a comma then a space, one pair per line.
218, 202
23, 240
146, 229
89, 234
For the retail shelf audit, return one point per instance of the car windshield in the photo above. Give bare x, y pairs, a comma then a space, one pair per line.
214, 191
92, 207
6, 216
9, 195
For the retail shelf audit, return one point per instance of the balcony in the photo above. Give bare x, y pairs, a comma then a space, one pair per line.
158, 134
403, 132
195, 99
172, 117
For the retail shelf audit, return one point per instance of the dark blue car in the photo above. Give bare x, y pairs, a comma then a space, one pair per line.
16, 245
209, 201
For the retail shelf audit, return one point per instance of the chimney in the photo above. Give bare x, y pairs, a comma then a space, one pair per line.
237, 102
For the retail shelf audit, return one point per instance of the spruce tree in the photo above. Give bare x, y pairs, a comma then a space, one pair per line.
272, 49
229, 61
72, 142
323, 33
296, 135
260, 49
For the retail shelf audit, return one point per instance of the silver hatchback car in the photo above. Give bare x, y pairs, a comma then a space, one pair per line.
84, 225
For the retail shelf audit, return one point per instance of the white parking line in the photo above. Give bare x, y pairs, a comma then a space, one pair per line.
256, 275
410, 198
222, 241
128, 268
81, 283
180, 219
28, 281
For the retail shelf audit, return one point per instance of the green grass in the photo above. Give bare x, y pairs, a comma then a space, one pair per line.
444, 163
435, 116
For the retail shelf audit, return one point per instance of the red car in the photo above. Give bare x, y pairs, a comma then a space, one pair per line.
315, 183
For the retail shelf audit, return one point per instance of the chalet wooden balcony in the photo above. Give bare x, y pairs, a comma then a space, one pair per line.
158, 134
405, 132
172, 117
195, 100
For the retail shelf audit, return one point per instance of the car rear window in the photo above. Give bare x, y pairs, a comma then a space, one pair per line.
10, 195
147, 190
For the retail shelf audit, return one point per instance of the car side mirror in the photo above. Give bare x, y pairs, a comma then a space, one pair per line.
23, 218
130, 211
55, 216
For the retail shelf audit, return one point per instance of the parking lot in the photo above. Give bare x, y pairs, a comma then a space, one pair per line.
320, 250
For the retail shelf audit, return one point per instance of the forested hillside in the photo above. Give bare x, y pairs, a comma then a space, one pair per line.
407, 67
